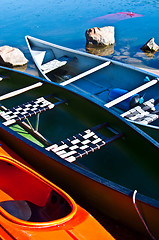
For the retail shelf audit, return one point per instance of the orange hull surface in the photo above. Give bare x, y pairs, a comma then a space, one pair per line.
31, 207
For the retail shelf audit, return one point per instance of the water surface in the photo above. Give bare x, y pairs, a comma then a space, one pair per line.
64, 22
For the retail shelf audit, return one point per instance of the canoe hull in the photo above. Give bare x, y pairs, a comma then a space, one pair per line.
110, 198
122, 76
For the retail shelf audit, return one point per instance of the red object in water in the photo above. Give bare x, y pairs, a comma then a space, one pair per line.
118, 16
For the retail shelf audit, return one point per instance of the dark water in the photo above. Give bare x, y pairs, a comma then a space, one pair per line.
64, 22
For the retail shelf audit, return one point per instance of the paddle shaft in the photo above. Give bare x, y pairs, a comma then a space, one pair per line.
131, 93
85, 73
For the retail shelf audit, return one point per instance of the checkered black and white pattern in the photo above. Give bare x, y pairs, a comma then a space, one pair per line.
83, 143
26, 110
78, 145
144, 113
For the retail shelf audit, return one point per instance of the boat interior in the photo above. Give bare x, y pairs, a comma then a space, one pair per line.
26, 197
106, 146
103, 80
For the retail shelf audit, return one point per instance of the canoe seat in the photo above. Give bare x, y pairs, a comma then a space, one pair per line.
26, 110
54, 64
82, 143
145, 113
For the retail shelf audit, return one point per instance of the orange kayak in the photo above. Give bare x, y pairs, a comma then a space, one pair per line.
31, 207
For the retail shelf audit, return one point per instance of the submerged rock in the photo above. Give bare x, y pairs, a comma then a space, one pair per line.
150, 46
100, 50
11, 57
100, 36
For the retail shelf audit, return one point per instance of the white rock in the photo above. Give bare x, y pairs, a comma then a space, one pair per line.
12, 57
150, 46
100, 36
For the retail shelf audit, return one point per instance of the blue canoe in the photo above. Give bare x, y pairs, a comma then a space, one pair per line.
131, 92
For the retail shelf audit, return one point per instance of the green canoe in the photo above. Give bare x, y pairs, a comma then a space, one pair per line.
91, 152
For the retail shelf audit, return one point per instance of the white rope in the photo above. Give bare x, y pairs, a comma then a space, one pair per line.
131, 93
143, 221
92, 70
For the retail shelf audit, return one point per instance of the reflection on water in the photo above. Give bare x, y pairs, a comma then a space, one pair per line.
100, 50
21, 68
64, 22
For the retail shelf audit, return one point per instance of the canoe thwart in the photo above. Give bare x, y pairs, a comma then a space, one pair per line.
84, 74
82, 143
145, 113
27, 110
20, 91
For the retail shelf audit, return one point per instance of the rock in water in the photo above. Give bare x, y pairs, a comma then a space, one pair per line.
100, 50
100, 36
11, 57
150, 46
